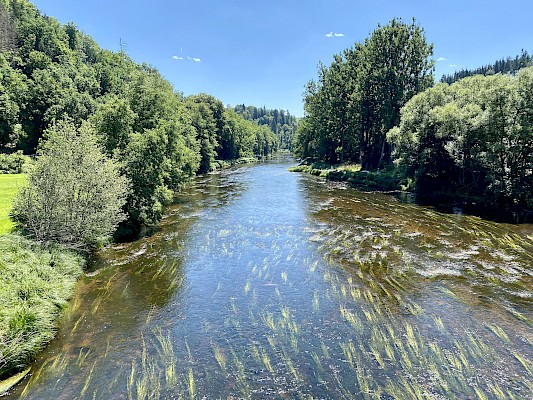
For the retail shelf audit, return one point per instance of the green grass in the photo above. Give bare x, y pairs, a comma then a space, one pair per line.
349, 167
35, 284
10, 184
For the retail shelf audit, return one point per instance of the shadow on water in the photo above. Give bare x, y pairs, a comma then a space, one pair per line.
447, 203
262, 283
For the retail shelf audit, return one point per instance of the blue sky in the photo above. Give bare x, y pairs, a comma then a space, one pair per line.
263, 52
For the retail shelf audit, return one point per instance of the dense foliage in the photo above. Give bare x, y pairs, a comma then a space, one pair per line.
473, 138
470, 141
504, 66
281, 122
12, 163
75, 193
50, 72
358, 98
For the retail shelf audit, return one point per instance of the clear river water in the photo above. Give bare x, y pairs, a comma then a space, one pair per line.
261, 283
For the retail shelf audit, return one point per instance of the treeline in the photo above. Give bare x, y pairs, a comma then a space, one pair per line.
376, 106
504, 66
55, 77
472, 139
281, 122
358, 98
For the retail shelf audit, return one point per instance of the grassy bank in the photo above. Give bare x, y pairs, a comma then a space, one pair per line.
10, 184
35, 284
384, 180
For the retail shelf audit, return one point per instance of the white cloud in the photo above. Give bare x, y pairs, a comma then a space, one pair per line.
332, 34
441, 59
179, 58
454, 65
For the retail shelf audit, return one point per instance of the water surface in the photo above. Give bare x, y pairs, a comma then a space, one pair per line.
267, 284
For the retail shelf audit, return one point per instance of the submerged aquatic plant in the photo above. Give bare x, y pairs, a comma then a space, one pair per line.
220, 357
358, 318
191, 384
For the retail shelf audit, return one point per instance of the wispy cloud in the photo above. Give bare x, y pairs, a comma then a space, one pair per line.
441, 59
179, 58
333, 34
454, 65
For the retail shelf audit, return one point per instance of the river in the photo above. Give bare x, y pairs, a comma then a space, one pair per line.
261, 283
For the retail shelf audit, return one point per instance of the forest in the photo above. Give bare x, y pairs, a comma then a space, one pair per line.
376, 105
281, 122
504, 66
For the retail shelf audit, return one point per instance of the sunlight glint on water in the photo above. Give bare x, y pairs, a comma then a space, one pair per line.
262, 283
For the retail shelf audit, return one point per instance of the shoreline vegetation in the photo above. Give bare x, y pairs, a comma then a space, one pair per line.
391, 180
381, 181
467, 143
37, 282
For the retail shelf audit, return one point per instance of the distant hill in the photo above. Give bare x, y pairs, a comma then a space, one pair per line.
281, 122
507, 66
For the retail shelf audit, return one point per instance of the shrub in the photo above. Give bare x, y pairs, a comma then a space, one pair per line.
75, 193
13, 163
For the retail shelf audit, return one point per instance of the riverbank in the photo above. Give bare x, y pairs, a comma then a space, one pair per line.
224, 164
388, 180
35, 285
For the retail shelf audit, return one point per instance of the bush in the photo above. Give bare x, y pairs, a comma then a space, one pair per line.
75, 193
13, 163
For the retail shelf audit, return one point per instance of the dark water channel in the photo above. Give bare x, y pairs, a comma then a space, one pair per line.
267, 284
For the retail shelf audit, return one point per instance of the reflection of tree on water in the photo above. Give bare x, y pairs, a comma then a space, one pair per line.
216, 189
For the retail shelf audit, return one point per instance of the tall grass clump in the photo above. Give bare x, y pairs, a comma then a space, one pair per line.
35, 284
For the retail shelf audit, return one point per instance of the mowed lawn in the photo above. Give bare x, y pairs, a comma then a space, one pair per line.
10, 184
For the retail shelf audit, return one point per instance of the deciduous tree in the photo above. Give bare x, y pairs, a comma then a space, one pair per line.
75, 193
